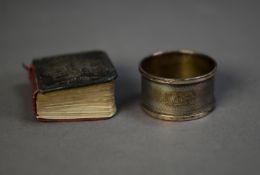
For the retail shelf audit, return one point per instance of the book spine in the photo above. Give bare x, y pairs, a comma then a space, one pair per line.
35, 90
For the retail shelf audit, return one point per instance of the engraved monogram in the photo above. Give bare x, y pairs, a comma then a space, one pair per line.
182, 98
174, 98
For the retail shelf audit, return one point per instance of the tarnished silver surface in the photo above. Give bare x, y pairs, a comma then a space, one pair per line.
178, 102
184, 97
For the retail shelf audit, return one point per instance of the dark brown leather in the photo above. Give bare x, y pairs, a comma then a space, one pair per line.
68, 71
73, 70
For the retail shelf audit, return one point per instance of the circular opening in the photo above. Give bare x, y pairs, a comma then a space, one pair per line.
178, 65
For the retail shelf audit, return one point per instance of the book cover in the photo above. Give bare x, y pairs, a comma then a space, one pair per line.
77, 86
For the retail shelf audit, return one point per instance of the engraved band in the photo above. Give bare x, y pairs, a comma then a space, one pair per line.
178, 85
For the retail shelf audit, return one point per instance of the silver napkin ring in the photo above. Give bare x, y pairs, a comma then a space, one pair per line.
178, 85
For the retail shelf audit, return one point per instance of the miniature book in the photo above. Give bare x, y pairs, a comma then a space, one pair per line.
73, 87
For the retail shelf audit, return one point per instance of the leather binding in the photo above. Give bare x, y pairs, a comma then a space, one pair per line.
68, 71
